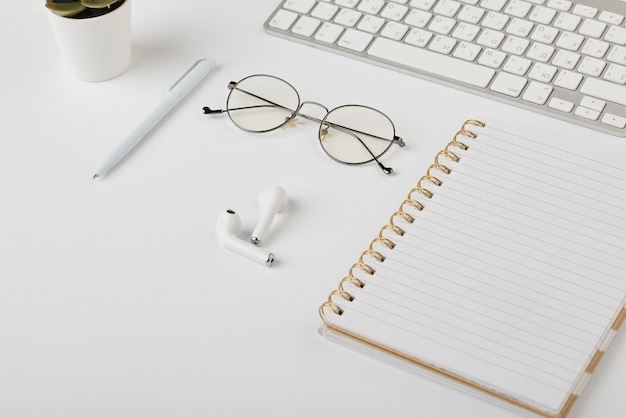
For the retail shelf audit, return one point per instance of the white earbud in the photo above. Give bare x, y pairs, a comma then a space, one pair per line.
272, 201
228, 230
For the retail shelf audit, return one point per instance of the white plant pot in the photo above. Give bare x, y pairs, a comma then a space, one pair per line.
96, 48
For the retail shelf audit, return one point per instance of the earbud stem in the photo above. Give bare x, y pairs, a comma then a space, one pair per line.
228, 228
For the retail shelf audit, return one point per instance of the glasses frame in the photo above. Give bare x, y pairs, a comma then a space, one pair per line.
324, 124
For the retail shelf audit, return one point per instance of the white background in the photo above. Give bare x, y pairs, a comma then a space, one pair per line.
116, 300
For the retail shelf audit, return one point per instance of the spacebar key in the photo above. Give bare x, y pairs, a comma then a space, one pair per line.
431, 62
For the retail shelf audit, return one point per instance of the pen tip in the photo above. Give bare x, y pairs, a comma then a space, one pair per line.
95, 176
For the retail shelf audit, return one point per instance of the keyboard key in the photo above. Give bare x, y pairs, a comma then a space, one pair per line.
471, 14
371, 6
595, 48
393, 30
561, 105
495, 5
509, 84
515, 45
566, 59
423, 4
585, 11
568, 22
495, 21
492, 58
592, 28
586, 113
431, 62
542, 15
568, 80
593, 103
517, 65
544, 34
520, 27
325, 11
355, 40
611, 18
616, 73
347, 17
569, 40
347, 3
616, 35
418, 37
490, 38
467, 51
442, 25
442, 44
540, 52
418, 18
517, 8
591, 66
466, 32
564, 5
371, 24
283, 20
537, 93
542, 72
299, 6
447, 8
329, 33
614, 120
306, 26
395, 12
617, 55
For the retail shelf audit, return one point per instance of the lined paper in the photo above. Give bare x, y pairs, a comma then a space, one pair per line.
511, 276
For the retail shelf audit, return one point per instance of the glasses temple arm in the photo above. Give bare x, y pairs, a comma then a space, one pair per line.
208, 111
233, 86
386, 170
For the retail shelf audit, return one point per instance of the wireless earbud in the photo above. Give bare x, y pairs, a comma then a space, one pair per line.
228, 230
272, 201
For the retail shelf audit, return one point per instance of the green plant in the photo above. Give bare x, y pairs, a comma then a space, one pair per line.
82, 8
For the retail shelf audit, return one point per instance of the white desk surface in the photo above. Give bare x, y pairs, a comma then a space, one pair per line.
116, 299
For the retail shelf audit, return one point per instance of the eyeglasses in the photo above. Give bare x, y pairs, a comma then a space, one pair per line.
349, 134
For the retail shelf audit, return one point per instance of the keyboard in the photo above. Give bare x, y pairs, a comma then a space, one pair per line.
561, 58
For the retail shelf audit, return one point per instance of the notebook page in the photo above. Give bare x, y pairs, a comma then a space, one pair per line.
512, 274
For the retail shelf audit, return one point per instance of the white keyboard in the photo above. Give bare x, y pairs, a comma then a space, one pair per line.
558, 57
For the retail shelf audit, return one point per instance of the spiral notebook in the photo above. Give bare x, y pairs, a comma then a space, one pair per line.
503, 272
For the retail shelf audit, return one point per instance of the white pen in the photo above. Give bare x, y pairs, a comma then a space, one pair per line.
175, 93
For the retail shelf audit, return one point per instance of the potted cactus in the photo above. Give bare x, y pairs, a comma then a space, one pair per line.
93, 36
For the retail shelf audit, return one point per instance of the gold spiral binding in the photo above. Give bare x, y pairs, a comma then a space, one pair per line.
395, 229
432, 179
384, 241
372, 253
335, 308
421, 190
364, 267
404, 215
351, 280
473, 122
400, 214
347, 296
413, 203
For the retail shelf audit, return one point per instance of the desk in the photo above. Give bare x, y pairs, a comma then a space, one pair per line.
116, 300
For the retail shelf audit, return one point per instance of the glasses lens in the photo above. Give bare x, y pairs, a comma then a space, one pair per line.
260, 103
356, 134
